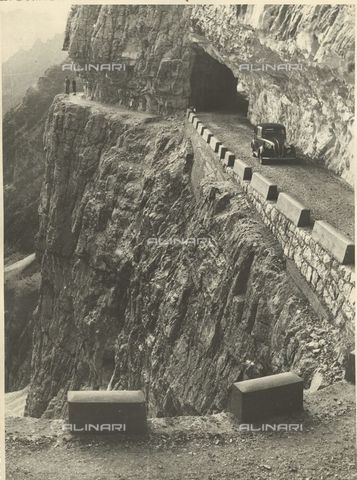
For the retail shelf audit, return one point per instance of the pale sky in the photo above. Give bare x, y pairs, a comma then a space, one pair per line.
24, 22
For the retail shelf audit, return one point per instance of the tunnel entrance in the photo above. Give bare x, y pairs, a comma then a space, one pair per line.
214, 87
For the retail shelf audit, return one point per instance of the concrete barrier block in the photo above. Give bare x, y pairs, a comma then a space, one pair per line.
243, 170
191, 117
196, 122
201, 129
222, 151
215, 144
335, 242
293, 210
350, 374
188, 111
207, 135
107, 411
229, 159
261, 398
265, 188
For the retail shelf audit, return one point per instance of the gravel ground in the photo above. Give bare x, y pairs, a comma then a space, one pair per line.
195, 448
329, 197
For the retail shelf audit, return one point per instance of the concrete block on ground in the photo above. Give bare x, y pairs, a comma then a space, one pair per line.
262, 398
350, 374
214, 144
243, 170
201, 128
267, 189
207, 135
188, 111
108, 411
293, 210
229, 159
191, 117
335, 242
222, 151
196, 122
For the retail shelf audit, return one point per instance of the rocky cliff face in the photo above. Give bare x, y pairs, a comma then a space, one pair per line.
150, 41
162, 45
144, 284
21, 297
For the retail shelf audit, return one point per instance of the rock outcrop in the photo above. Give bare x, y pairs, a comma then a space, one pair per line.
21, 297
144, 284
161, 45
150, 42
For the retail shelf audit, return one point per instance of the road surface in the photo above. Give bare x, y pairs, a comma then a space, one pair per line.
17, 267
329, 197
195, 448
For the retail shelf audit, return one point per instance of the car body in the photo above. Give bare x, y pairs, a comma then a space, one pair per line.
269, 143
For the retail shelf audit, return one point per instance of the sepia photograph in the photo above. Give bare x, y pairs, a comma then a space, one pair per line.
178, 245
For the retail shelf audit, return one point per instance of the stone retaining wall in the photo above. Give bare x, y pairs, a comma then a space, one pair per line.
331, 280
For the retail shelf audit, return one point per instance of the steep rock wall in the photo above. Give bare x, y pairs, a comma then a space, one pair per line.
20, 298
180, 318
322, 33
150, 41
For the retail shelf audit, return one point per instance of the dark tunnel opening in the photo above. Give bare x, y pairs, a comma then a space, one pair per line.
214, 87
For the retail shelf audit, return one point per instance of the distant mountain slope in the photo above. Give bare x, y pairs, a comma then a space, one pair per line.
24, 159
23, 69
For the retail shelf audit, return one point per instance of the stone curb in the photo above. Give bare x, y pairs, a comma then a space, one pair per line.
263, 186
243, 170
295, 211
229, 159
201, 128
335, 242
191, 117
259, 398
222, 151
207, 135
196, 122
214, 144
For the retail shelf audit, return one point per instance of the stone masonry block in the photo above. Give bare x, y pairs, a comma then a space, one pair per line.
335, 242
123, 410
228, 159
243, 170
207, 135
265, 188
214, 144
295, 211
261, 398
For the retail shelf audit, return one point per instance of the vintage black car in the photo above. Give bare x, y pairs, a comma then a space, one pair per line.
269, 143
